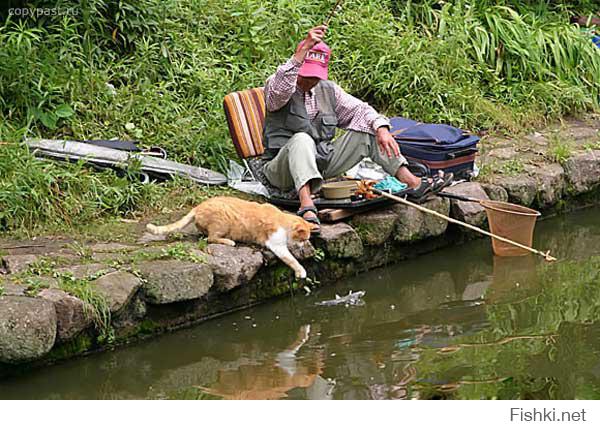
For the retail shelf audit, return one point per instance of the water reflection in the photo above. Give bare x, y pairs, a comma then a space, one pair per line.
273, 376
458, 323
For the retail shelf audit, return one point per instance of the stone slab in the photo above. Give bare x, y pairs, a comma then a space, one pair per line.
72, 314
413, 225
169, 281
469, 212
27, 328
375, 228
583, 171
233, 265
118, 288
495, 192
339, 241
521, 189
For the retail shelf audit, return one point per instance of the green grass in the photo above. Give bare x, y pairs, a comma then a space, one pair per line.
179, 251
157, 71
96, 305
592, 146
50, 197
512, 167
560, 150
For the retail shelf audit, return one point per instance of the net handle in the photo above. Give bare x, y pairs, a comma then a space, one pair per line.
546, 254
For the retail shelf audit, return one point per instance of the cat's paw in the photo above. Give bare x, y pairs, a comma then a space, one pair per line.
301, 273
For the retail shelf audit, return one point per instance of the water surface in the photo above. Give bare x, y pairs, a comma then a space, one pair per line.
456, 323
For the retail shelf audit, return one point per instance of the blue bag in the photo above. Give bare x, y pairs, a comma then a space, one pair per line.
437, 146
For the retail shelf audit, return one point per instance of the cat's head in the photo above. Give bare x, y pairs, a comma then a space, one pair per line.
301, 230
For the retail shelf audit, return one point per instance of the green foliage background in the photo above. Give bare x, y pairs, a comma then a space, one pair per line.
164, 66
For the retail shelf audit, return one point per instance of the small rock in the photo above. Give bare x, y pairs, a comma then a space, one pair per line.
233, 265
375, 228
469, 212
169, 281
340, 241
18, 263
148, 237
506, 153
495, 192
118, 288
476, 290
13, 290
138, 308
302, 250
27, 328
578, 133
71, 313
110, 257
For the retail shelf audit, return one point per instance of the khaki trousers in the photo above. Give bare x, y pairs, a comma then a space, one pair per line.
296, 163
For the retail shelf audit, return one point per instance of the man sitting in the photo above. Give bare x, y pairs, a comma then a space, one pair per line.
303, 111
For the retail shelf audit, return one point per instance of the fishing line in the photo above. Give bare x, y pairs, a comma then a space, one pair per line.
334, 10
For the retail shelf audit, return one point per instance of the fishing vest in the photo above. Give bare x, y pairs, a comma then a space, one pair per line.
293, 118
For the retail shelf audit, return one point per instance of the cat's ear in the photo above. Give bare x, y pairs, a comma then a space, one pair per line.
301, 230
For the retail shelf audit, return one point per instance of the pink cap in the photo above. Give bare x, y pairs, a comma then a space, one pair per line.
316, 61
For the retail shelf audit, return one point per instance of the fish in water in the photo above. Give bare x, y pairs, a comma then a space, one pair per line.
350, 299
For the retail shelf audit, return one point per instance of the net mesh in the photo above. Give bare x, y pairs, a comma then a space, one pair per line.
513, 222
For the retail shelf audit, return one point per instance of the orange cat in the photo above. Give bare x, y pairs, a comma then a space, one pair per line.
227, 219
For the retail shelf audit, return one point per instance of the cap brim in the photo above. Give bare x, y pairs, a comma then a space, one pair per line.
310, 70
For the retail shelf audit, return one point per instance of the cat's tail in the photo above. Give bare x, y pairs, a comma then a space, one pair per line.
176, 226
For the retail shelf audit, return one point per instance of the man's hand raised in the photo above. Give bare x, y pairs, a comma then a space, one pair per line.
314, 36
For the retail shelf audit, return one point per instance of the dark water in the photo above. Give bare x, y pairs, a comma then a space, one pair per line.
458, 323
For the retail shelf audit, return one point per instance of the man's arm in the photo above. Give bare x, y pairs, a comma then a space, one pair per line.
280, 87
354, 114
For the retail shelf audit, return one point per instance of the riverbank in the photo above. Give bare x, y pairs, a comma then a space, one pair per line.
62, 297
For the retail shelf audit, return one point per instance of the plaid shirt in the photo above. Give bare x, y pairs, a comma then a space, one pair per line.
352, 113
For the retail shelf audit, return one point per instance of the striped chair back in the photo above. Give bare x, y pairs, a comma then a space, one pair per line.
245, 112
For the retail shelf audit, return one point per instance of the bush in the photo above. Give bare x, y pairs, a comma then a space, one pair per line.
165, 66
472, 63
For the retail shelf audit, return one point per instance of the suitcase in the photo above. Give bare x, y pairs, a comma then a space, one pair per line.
437, 146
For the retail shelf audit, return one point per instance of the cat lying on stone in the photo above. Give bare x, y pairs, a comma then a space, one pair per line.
227, 220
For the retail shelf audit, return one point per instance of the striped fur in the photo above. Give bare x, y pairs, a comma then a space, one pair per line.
245, 112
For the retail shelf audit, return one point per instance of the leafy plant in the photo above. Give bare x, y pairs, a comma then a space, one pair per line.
559, 150
319, 254
96, 305
512, 167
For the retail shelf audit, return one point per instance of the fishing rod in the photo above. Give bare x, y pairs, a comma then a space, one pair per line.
335, 9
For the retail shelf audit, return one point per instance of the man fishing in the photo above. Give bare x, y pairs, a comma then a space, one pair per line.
303, 111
